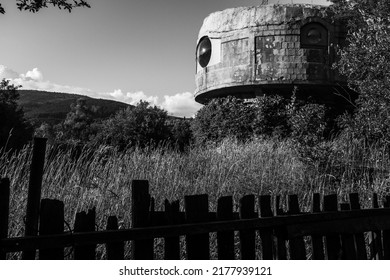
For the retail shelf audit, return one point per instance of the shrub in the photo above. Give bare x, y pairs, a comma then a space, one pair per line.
15, 130
141, 125
180, 133
270, 116
222, 118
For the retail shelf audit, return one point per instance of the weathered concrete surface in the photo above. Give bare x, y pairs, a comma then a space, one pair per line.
265, 49
247, 17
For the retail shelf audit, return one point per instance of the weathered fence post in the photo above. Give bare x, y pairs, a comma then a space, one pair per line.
266, 235
361, 251
115, 250
197, 211
297, 245
316, 240
225, 239
34, 192
51, 222
375, 237
4, 212
347, 240
333, 245
172, 244
386, 233
85, 222
280, 233
248, 237
142, 249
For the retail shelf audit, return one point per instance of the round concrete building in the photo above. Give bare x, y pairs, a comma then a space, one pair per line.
269, 49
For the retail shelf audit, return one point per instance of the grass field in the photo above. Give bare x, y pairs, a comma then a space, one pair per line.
103, 180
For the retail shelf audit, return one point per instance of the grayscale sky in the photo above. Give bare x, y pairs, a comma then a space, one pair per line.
124, 50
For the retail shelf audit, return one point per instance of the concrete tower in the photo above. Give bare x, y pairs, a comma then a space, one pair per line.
269, 49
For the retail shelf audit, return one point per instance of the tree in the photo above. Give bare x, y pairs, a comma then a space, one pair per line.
180, 133
36, 5
141, 125
365, 63
222, 118
77, 125
270, 116
45, 130
15, 131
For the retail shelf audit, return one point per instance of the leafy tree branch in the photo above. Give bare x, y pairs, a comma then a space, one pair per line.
36, 5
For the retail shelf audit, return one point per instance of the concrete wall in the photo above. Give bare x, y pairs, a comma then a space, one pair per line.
269, 49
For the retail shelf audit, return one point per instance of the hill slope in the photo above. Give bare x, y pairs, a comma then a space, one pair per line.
52, 107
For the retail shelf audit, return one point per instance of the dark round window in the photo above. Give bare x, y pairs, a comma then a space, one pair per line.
314, 36
203, 53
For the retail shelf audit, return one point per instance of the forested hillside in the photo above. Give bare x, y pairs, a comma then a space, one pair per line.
52, 107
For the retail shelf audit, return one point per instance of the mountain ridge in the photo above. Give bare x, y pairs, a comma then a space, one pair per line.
52, 107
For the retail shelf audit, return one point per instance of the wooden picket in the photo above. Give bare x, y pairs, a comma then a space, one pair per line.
225, 239
266, 235
4, 211
172, 244
247, 236
51, 222
297, 245
196, 210
280, 234
317, 240
34, 192
375, 237
85, 222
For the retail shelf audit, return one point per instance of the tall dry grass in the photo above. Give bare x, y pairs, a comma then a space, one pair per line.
102, 178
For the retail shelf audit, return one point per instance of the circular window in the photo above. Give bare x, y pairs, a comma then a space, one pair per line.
203, 53
314, 36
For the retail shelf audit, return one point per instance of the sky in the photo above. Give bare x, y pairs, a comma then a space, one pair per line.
124, 50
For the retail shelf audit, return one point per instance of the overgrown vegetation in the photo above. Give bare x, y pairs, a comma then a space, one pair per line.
365, 62
102, 177
15, 130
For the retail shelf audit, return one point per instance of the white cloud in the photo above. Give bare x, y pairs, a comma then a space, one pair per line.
34, 74
180, 104
133, 97
6, 73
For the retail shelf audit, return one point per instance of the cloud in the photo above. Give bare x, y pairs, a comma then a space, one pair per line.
34, 74
6, 73
180, 104
133, 97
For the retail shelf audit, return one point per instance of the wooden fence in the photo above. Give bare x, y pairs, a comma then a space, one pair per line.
330, 231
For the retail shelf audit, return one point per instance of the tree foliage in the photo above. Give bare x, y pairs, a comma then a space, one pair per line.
305, 124
78, 125
221, 118
15, 131
181, 135
365, 63
270, 118
140, 125
36, 5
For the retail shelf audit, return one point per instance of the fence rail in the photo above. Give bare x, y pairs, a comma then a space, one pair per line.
330, 231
